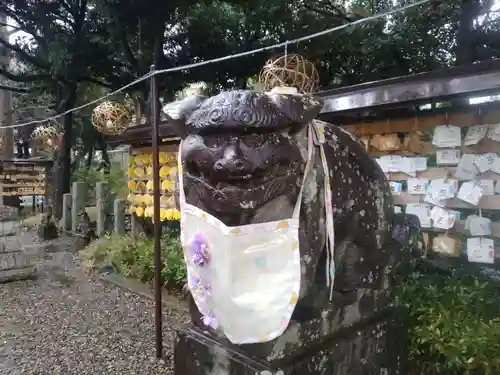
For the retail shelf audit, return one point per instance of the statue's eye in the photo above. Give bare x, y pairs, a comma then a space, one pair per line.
254, 140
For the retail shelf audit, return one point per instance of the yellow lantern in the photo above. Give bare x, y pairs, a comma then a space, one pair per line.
163, 214
173, 172
139, 160
141, 186
138, 199
164, 171
148, 199
165, 185
149, 211
139, 172
163, 201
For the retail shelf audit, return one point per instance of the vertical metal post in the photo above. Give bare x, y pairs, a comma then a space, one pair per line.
153, 96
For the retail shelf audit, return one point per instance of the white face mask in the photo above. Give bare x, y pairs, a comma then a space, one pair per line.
245, 280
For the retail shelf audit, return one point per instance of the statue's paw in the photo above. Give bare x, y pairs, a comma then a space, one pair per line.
344, 298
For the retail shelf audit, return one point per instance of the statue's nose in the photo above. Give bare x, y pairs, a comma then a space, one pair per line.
236, 165
232, 162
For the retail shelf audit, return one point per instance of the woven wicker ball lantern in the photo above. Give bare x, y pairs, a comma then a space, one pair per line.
111, 118
290, 70
46, 137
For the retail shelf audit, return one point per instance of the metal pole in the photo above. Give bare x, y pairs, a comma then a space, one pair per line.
153, 96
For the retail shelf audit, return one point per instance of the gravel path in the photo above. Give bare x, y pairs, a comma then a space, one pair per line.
67, 323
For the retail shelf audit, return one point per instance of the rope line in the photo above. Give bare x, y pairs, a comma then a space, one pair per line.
220, 59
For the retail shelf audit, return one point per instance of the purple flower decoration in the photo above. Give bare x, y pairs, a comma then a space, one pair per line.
199, 287
210, 320
200, 251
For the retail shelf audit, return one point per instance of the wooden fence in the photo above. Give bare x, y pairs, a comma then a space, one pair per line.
110, 214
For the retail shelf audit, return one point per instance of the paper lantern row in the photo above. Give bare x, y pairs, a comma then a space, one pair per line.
148, 199
147, 172
142, 186
166, 214
147, 159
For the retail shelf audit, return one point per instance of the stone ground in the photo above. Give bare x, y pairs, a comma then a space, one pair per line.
65, 322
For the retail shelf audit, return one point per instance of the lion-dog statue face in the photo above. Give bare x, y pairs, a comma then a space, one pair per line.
243, 155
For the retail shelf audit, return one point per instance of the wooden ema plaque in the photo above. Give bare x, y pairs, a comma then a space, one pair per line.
26, 179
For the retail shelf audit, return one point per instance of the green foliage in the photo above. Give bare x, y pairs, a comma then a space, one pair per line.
454, 323
134, 257
115, 42
116, 178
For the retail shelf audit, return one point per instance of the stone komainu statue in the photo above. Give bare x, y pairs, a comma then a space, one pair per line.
243, 157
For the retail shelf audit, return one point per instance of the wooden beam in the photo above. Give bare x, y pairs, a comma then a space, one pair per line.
452, 83
436, 173
174, 147
483, 147
424, 123
487, 202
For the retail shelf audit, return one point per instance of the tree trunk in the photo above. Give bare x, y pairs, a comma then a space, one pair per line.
7, 146
62, 165
466, 48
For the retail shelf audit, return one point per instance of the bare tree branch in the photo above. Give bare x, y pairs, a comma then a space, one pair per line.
24, 55
96, 82
13, 28
23, 77
328, 9
14, 89
23, 25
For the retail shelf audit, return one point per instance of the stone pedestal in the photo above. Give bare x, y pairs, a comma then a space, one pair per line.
372, 346
15, 264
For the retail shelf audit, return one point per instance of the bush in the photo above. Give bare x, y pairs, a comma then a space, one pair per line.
116, 178
454, 323
134, 257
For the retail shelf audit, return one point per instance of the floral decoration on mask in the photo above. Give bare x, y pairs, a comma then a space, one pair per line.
210, 320
200, 287
199, 250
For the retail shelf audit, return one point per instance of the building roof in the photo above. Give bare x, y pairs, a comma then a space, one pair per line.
400, 95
